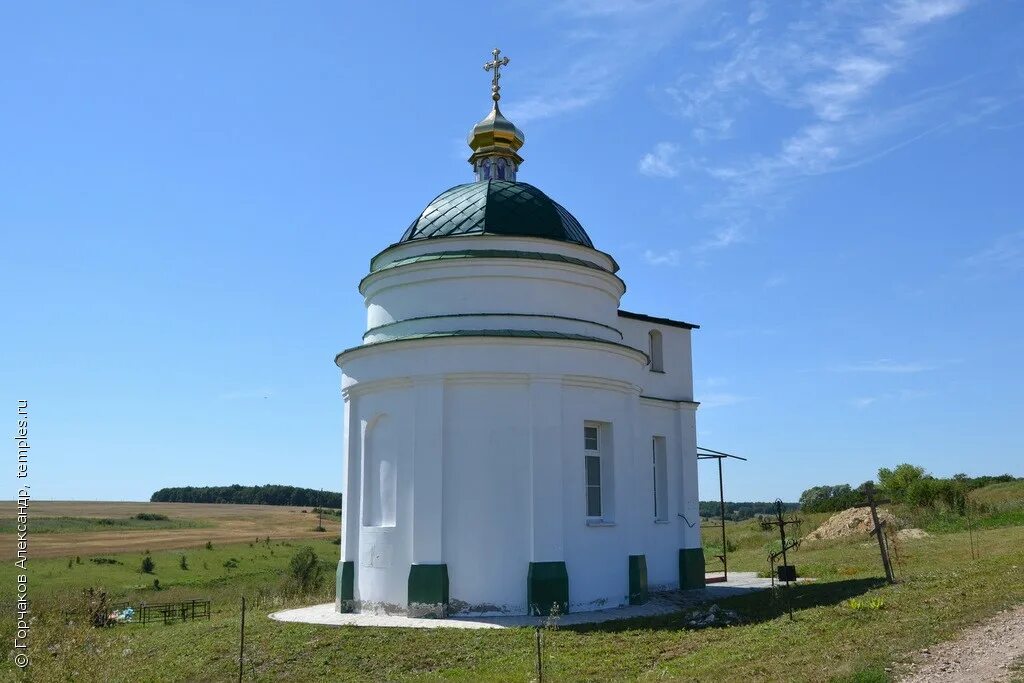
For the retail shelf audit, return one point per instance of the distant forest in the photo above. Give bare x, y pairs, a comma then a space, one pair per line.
271, 494
740, 511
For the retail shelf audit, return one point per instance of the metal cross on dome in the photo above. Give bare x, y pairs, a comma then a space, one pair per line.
496, 64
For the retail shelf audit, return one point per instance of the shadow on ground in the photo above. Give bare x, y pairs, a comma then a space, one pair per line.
751, 608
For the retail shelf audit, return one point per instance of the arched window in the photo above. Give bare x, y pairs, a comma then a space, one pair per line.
657, 362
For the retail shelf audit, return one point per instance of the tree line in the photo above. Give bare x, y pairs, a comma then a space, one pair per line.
907, 484
270, 494
740, 511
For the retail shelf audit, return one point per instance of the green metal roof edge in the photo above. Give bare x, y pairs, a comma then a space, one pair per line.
374, 259
489, 253
654, 319
507, 334
480, 315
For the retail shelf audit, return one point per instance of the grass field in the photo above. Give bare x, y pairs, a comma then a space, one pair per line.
941, 591
62, 528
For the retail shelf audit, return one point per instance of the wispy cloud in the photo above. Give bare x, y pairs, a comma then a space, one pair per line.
666, 258
863, 402
884, 365
662, 161
775, 280
721, 238
902, 396
1005, 254
825, 71
599, 43
719, 400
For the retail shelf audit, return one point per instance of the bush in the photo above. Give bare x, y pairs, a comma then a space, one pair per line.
151, 517
209, 545
305, 572
148, 565
183, 563
231, 563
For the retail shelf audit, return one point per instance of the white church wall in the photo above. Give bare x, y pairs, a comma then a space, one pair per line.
596, 551
676, 381
492, 242
512, 285
486, 508
385, 523
662, 540
492, 321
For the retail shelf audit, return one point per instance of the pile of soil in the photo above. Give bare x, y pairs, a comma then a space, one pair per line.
851, 523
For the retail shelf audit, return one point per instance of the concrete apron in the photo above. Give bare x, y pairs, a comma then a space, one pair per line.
659, 604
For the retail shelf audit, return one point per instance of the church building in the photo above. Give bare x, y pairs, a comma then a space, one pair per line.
515, 443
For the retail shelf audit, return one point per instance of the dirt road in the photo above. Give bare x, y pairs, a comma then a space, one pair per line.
982, 653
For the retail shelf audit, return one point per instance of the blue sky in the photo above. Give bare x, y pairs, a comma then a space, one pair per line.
190, 192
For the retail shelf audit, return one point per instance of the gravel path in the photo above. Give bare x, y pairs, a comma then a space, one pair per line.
983, 653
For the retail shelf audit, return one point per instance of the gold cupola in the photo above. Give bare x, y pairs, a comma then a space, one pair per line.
495, 141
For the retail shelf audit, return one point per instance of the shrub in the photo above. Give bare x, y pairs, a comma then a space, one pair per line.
209, 545
183, 563
156, 585
104, 560
305, 572
151, 517
231, 563
148, 565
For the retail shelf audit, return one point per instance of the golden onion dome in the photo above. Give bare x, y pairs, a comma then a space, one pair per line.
495, 131
495, 141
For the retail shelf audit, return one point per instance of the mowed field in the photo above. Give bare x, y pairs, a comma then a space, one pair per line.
189, 525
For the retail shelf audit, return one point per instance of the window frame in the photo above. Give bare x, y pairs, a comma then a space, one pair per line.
659, 470
656, 349
590, 455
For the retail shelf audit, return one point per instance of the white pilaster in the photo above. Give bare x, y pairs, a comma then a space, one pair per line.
547, 540
350, 504
427, 489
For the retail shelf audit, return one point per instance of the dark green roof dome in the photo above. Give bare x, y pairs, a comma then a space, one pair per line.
496, 207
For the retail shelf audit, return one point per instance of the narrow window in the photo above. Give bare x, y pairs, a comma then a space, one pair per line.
592, 467
660, 483
657, 363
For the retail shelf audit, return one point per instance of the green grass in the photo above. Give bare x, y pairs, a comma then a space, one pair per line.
71, 525
1000, 496
941, 592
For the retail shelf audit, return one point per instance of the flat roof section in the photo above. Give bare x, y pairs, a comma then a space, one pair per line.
660, 321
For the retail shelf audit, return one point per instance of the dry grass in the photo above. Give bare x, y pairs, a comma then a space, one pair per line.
229, 524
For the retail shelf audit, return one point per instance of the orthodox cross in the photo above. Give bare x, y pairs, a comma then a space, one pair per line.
879, 531
496, 65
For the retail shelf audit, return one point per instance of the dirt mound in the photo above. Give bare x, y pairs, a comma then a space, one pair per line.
911, 534
851, 523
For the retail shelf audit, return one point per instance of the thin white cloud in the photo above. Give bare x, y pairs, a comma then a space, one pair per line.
826, 69
721, 238
775, 280
884, 365
599, 42
671, 257
863, 402
661, 162
1005, 254
720, 400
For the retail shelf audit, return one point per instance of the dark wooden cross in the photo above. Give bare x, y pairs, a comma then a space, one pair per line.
872, 502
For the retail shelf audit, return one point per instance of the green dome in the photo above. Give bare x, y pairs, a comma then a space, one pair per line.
496, 207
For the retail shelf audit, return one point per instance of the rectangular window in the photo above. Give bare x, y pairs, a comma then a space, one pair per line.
592, 467
659, 464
